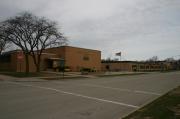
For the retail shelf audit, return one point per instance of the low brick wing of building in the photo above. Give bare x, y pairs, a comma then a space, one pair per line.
136, 66
117, 65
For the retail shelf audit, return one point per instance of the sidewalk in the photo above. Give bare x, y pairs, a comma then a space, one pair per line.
72, 74
67, 75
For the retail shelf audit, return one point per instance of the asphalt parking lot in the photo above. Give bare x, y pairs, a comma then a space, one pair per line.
93, 98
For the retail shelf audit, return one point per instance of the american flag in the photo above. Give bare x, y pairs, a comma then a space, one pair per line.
118, 54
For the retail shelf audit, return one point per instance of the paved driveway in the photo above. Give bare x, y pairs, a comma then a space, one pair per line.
98, 98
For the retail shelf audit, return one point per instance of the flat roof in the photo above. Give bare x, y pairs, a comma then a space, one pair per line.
118, 61
13, 51
74, 47
139, 62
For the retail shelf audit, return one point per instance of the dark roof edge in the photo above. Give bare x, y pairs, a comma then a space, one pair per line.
130, 61
73, 47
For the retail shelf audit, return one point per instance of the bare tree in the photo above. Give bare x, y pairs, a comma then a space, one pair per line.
47, 35
32, 34
153, 59
4, 44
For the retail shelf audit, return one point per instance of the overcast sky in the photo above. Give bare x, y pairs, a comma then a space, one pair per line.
139, 29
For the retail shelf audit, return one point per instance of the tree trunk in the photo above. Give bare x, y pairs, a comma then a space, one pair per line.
38, 63
37, 68
27, 63
37, 60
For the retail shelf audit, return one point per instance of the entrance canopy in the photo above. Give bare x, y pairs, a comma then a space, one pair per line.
55, 59
55, 62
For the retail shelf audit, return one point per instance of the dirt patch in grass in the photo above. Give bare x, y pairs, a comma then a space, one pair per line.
165, 107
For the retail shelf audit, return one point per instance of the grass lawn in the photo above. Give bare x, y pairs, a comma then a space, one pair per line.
167, 71
128, 74
23, 74
62, 78
165, 107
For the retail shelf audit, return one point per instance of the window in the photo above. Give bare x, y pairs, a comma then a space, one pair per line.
85, 58
147, 67
142, 67
5, 58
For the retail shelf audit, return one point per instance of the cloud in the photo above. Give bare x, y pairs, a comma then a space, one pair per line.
138, 28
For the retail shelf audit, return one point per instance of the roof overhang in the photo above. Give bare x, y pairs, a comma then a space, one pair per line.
55, 59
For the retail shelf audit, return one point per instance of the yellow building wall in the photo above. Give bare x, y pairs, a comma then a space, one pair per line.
78, 58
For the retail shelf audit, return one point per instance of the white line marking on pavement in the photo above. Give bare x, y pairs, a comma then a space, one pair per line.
145, 92
119, 89
78, 95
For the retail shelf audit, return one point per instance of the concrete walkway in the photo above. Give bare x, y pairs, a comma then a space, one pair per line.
71, 74
67, 75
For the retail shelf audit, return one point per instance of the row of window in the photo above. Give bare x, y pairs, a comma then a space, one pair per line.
147, 67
